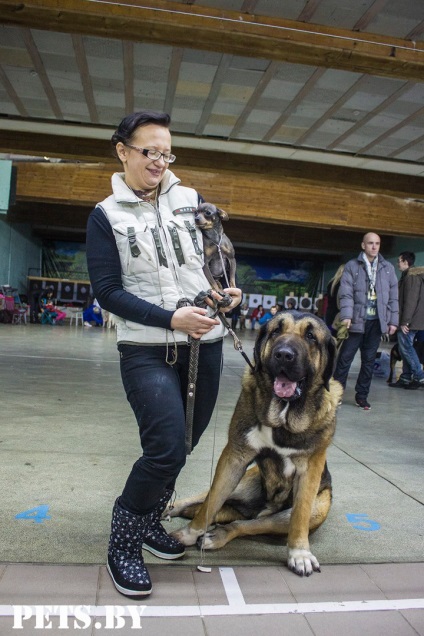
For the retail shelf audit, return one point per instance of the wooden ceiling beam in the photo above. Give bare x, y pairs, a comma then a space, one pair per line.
245, 196
87, 150
229, 32
70, 221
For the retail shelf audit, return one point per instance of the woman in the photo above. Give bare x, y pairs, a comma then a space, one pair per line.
257, 314
145, 261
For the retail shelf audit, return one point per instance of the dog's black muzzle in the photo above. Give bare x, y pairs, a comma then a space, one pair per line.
288, 368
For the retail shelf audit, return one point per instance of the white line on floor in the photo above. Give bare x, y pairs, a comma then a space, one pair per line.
231, 587
44, 357
236, 605
170, 611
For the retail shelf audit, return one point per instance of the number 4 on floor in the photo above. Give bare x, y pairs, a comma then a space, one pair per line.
37, 514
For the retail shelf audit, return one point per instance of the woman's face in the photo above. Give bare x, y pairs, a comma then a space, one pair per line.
141, 173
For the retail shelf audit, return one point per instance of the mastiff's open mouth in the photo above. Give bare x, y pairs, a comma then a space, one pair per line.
286, 389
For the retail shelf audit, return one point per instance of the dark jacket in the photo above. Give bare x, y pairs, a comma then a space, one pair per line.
353, 293
411, 298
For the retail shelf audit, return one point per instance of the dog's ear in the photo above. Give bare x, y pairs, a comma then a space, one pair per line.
260, 340
331, 361
222, 214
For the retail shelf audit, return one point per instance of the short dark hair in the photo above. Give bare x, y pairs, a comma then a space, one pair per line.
130, 123
409, 257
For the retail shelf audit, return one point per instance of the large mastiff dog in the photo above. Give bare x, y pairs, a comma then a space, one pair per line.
283, 422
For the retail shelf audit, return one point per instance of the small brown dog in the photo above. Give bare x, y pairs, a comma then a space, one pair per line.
220, 262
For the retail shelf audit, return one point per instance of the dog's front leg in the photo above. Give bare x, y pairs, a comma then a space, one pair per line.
211, 280
182, 507
232, 275
306, 485
230, 469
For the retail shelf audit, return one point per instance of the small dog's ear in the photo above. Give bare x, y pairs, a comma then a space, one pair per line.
222, 214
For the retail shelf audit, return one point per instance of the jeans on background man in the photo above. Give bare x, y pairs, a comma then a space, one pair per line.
412, 369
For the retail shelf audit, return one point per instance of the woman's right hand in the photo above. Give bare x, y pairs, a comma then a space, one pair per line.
193, 321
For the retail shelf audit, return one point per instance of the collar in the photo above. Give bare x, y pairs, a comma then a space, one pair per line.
124, 194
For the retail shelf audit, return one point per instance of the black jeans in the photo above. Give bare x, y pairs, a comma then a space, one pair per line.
156, 392
368, 342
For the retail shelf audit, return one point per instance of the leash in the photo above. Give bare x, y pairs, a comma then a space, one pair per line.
191, 393
193, 366
237, 342
194, 344
199, 301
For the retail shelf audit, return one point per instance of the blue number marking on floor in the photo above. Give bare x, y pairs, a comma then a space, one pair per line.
363, 522
37, 514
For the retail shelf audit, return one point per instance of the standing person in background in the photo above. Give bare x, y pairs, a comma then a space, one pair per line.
332, 298
411, 320
369, 307
145, 261
235, 315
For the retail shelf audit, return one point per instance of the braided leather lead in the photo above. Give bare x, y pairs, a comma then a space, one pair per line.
191, 393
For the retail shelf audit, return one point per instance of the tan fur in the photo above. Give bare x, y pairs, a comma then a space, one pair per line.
288, 491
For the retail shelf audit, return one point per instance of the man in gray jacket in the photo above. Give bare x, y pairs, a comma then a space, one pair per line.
368, 298
411, 320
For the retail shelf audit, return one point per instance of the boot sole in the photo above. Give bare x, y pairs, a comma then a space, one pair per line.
124, 590
163, 555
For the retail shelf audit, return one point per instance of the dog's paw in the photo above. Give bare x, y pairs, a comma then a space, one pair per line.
302, 562
214, 539
187, 536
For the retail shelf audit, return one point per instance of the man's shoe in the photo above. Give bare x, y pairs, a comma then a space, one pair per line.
362, 403
399, 384
415, 384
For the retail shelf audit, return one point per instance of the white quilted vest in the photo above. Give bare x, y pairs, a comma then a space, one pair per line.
161, 253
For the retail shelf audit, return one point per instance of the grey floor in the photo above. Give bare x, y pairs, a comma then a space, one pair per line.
68, 440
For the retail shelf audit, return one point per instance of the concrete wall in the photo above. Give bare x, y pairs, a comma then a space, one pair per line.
19, 252
403, 244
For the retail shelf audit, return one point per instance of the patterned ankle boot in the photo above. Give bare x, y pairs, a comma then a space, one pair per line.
125, 562
156, 539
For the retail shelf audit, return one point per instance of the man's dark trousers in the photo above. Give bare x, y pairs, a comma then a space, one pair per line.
368, 343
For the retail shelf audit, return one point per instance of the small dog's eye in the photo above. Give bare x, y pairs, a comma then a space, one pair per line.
310, 335
208, 213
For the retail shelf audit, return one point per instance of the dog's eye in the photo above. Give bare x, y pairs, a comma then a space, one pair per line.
310, 335
208, 213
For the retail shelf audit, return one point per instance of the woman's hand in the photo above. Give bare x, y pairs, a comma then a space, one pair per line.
236, 295
193, 321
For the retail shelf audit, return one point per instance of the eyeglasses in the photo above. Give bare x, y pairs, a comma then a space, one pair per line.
154, 155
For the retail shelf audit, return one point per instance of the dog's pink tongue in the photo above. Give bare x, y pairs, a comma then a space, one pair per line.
283, 387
